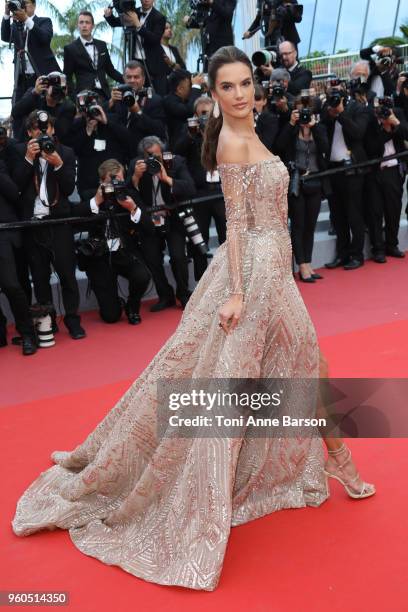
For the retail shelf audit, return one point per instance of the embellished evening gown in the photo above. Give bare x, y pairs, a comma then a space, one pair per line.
162, 509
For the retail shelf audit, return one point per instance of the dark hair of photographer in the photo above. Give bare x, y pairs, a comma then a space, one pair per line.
383, 68
401, 93
179, 103
50, 95
136, 107
303, 145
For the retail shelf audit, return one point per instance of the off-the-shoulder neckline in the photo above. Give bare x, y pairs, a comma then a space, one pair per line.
240, 164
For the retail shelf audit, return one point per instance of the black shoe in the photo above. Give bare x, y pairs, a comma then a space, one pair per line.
336, 263
379, 258
353, 264
308, 279
162, 304
133, 316
395, 252
29, 345
75, 330
317, 276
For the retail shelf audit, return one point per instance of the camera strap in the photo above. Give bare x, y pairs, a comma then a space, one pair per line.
38, 179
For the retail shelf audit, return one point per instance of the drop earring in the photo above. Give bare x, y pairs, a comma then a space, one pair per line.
216, 110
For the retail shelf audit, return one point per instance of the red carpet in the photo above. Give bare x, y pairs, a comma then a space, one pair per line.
345, 555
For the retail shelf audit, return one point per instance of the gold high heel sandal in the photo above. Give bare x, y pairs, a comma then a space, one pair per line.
367, 489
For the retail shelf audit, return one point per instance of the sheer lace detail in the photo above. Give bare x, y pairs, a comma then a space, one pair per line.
234, 185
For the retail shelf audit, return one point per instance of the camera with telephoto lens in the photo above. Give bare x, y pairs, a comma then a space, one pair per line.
384, 107
87, 102
16, 5
45, 142
263, 57
113, 192
186, 215
153, 165
58, 83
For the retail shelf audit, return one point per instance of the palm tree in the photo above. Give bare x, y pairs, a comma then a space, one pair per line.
393, 41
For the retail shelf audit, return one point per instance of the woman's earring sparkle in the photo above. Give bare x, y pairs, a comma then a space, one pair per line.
216, 110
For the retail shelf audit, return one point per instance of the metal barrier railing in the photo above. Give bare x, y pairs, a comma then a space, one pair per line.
216, 196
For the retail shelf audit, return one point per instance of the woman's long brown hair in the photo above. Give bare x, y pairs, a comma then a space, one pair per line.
225, 55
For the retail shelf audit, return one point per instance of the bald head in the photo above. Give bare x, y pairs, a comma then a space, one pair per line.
288, 54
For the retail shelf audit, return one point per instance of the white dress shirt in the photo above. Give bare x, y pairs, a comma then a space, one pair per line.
139, 50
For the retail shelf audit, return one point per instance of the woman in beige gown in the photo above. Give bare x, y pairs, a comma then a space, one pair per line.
162, 508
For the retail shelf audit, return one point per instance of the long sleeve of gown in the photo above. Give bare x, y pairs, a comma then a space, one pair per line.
234, 189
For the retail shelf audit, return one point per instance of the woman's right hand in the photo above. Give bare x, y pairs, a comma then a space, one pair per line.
230, 313
294, 118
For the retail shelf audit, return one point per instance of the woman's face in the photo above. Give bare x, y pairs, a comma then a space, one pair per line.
234, 90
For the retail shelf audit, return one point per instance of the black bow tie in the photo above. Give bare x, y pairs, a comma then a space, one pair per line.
89, 44
143, 14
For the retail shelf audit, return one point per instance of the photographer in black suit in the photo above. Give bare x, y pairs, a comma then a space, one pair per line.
346, 121
11, 262
111, 249
160, 184
172, 55
136, 108
215, 18
288, 13
44, 172
147, 26
300, 78
88, 60
95, 137
51, 98
383, 72
31, 37
179, 103
386, 135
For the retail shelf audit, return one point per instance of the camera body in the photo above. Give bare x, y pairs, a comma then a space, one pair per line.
334, 95
87, 102
113, 192
16, 5
384, 107
264, 57
58, 83
46, 143
305, 116
153, 165
130, 96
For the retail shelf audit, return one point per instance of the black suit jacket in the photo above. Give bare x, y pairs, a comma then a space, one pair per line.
354, 121
300, 78
183, 185
64, 112
151, 33
288, 29
152, 121
178, 58
376, 137
219, 25
62, 181
9, 206
126, 229
39, 40
117, 140
178, 111
78, 64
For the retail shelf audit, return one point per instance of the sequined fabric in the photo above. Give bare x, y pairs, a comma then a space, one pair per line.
162, 509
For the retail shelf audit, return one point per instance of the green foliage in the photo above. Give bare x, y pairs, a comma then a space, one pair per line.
183, 38
314, 54
389, 41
